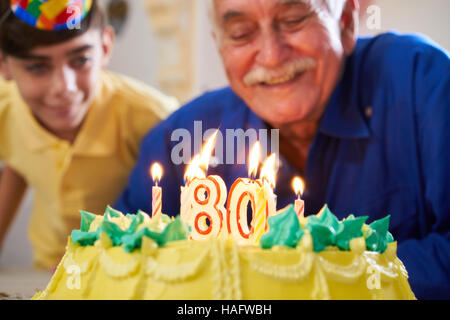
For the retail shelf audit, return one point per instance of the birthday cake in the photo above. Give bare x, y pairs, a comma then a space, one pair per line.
117, 256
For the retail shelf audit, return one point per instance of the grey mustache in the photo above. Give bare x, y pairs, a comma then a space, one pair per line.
287, 70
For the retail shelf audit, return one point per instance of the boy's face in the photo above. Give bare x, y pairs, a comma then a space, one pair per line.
58, 82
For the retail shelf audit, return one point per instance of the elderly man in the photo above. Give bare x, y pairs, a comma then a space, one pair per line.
365, 121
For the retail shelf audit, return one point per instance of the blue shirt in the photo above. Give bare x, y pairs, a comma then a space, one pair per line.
383, 147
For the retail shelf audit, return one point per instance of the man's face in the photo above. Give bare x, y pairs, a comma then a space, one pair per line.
58, 82
283, 57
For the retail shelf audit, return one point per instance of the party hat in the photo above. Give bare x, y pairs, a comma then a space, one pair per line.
51, 14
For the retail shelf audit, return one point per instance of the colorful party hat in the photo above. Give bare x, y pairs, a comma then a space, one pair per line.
51, 14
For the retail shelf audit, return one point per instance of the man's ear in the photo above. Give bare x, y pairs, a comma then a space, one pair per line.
349, 25
108, 37
4, 70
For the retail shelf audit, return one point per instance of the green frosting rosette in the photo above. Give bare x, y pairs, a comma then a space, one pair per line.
326, 231
128, 230
284, 230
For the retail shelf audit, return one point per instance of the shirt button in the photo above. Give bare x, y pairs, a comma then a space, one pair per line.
369, 112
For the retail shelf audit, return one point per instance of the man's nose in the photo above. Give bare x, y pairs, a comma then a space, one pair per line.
270, 51
64, 82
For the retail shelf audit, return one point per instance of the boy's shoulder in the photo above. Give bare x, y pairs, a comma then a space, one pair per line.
134, 96
6, 90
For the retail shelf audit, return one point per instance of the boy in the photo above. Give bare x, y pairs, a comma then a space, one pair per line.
68, 129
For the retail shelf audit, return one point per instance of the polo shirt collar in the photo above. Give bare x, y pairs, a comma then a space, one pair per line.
343, 117
37, 138
97, 137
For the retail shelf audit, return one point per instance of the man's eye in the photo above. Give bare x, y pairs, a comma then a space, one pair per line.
240, 35
292, 23
240, 31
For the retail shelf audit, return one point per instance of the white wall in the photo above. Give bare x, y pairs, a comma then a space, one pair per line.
429, 17
135, 51
136, 55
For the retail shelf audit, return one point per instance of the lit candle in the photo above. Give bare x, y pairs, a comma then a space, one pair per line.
207, 207
265, 195
299, 205
203, 198
193, 171
268, 175
156, 172
243, 191
254, 159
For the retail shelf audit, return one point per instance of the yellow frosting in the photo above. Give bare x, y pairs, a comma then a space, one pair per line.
220, 269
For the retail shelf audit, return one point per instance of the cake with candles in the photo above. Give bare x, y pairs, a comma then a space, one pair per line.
118, 256
212, 250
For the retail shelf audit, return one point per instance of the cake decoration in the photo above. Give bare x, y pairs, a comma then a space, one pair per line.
284, 230
128, 230
378, 235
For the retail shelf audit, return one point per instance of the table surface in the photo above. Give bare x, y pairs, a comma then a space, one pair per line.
22, 283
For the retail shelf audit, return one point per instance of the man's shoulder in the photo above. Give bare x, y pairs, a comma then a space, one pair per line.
392, 49
397, 42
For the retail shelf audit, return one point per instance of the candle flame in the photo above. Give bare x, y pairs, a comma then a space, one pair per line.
207, 151
156, 172
268, 171
298, 185
254, 158
194, 170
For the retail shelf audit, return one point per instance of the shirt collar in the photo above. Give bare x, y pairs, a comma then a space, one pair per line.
343, 116
97, 137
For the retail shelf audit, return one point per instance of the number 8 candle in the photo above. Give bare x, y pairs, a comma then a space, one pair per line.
207, 206
203, 198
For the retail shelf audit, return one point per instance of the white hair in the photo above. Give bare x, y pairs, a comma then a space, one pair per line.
335, 6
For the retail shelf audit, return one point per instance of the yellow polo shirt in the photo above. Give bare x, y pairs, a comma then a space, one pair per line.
90, 173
